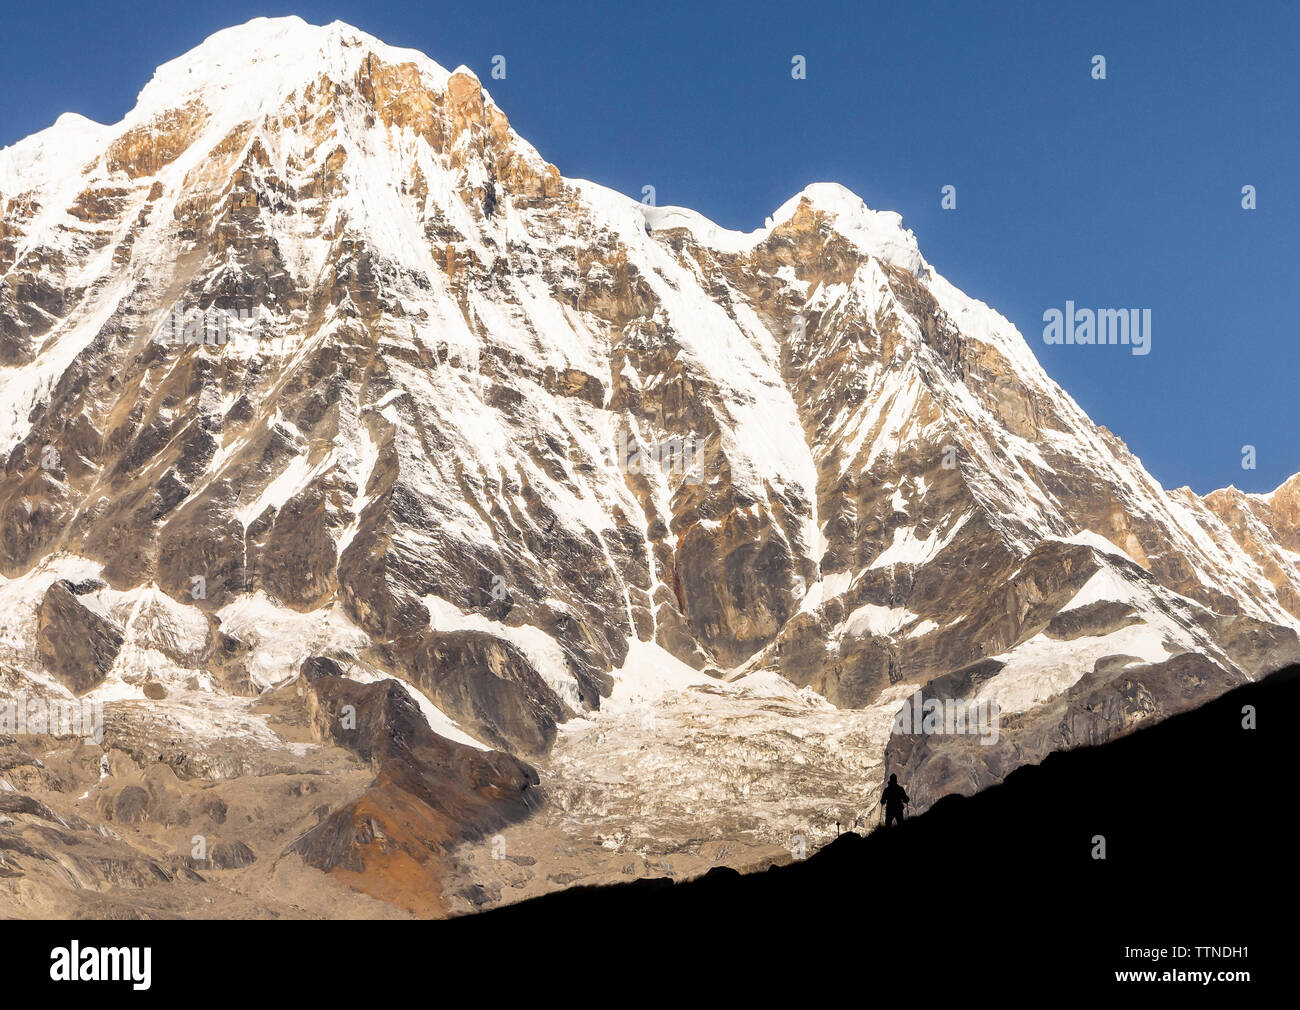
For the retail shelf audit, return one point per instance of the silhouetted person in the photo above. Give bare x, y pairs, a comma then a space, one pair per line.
893, 799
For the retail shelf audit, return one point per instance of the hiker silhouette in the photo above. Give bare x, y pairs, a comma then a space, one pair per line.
893, 799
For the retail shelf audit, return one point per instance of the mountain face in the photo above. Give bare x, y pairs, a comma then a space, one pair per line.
462, 530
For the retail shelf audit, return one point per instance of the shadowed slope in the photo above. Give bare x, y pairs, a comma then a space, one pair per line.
1191, 810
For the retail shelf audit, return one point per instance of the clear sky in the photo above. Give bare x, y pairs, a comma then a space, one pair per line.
1116, 193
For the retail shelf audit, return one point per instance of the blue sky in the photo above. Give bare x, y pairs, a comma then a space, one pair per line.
1122, 193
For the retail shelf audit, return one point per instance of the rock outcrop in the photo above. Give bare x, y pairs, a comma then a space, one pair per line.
77, 641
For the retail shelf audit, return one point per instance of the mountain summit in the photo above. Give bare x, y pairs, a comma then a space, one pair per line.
354, 456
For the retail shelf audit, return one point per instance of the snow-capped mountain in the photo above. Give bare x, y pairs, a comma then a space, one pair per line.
617, 533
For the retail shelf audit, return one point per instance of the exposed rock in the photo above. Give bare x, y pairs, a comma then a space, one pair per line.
490, 686
429, 793
1100, 618
77, 642
131, 806
229, 855
1110, 701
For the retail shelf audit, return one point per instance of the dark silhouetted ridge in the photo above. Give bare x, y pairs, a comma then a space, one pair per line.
1195, 813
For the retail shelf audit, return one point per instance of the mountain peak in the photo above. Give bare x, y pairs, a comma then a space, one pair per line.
878, 232
262, 61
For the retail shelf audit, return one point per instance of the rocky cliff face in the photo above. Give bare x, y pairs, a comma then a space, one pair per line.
313, 360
